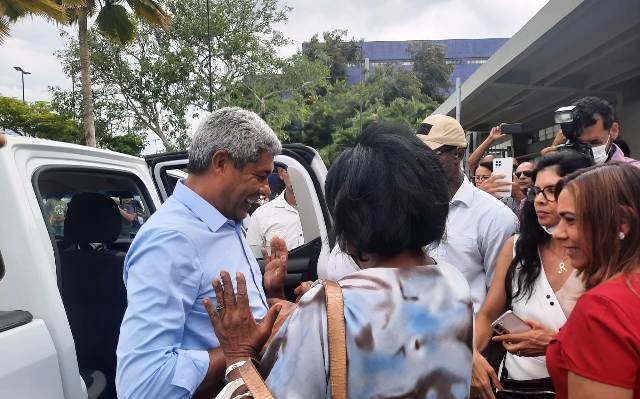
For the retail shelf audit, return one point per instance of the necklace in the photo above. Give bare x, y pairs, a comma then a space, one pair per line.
561, 266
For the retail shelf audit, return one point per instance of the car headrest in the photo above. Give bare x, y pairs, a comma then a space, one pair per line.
92, 217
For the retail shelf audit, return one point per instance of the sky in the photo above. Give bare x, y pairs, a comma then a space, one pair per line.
33, 41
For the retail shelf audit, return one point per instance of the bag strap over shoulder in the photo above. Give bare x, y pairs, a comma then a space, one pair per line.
337, 339
337, 350
254, 382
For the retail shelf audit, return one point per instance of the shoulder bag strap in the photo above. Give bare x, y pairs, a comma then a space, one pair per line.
254, 382
337, 339
337, 350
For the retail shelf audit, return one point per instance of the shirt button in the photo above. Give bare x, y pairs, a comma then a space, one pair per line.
548, 296
551, 303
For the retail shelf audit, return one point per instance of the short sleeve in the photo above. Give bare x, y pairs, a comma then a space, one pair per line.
597, 343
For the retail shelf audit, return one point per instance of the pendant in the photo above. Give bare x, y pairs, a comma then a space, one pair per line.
561, 268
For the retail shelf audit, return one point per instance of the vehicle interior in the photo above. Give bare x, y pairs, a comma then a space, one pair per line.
92, 218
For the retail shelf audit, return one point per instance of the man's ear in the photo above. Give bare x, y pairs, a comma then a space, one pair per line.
219, 161
615, 131
460, 154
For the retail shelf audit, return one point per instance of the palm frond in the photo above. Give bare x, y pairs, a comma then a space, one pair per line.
151, 12
115, 22
14, 9
73, 3
4, 28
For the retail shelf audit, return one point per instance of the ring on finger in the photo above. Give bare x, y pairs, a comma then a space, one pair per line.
219, 308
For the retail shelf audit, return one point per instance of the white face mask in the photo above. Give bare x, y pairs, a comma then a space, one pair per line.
600, 154
549, 230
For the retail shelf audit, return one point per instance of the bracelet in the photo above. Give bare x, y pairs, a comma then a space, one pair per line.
232, 367
230, 388
247, 394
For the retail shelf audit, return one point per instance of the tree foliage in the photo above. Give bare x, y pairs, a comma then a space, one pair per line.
41, 120
37, 120
429, 65
160, 80
336, 51
12, 10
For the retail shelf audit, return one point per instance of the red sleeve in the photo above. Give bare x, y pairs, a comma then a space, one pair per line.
599, 343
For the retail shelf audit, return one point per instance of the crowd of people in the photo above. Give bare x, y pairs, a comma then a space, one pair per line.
426, 262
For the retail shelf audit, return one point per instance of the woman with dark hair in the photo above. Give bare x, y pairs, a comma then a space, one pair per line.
597, 353
408, 319
534, 279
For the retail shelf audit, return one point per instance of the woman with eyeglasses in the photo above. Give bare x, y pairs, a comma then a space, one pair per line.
534, 279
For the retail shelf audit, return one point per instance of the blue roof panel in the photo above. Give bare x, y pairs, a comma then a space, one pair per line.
454, 48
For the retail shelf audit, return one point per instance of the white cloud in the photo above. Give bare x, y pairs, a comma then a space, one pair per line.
407, 19
31, 46
34, 40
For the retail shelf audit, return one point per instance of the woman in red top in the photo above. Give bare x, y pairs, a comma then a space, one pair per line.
596, 354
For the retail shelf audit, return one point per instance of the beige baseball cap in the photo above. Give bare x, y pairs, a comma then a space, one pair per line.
445, 130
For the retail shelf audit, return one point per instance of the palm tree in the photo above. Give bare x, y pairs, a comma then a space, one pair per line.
116, 22
11, 10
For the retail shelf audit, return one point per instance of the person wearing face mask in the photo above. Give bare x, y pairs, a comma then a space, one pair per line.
598, 129
534, 279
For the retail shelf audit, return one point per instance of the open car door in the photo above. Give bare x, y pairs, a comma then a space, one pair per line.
307, 172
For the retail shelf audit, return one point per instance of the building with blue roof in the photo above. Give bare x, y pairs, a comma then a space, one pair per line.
466, 55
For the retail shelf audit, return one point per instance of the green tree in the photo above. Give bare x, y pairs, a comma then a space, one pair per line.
37, 120
117, 23
40, 120
337, 52
429, 65
12, 10
282, 97
129, 143
159, 81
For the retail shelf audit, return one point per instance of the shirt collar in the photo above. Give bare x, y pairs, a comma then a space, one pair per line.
617, 155
464, 195
200, 207
281, 202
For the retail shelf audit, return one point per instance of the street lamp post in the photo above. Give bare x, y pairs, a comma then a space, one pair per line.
23, 72
209, 50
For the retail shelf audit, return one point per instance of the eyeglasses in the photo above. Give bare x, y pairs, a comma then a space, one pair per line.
526, 173
548, 193
481, 178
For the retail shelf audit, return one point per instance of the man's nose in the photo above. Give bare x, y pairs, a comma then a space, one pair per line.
265, 189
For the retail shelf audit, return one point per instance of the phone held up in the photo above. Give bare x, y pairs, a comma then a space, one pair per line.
503, 166
509, 323
511, 128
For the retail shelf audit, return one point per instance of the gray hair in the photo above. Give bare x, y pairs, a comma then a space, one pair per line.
241, 133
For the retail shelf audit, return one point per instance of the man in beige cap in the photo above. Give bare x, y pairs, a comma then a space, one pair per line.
478, 223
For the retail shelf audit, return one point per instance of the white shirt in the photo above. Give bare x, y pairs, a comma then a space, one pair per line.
275, 218
338, 265
477, 226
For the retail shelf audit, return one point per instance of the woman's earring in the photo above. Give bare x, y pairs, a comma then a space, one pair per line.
621, 236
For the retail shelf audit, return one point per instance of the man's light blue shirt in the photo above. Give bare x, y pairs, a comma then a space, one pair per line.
166, 332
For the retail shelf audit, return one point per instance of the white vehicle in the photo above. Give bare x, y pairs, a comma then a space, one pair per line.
68, 214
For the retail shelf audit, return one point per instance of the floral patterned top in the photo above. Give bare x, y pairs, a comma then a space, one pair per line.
409, 335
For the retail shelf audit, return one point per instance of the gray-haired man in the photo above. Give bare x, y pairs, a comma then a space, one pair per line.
167, 347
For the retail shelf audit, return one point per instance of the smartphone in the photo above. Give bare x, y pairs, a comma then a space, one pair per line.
509, 323
503, 166
511, 128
